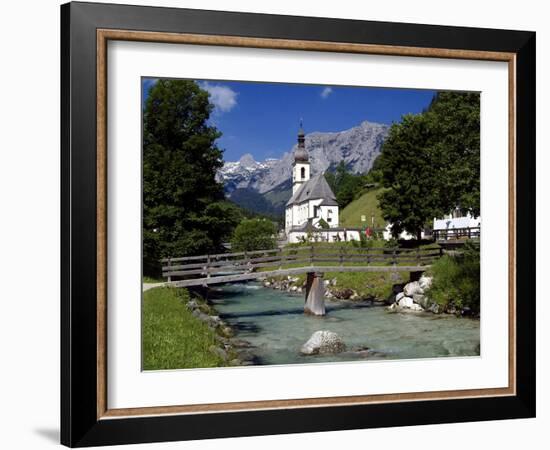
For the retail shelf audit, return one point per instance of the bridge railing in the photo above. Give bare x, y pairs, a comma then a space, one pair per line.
319, 254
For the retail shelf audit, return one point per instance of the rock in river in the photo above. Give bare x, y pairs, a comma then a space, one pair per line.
322, 342
405, 302
412, 288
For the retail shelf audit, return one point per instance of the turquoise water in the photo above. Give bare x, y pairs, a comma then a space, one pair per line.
274, 323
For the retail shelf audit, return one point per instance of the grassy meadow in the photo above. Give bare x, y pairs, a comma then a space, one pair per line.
172, 337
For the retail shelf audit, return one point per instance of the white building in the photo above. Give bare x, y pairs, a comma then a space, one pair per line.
457, 224
312, 211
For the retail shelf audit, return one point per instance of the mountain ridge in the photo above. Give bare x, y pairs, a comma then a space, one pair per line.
358, 147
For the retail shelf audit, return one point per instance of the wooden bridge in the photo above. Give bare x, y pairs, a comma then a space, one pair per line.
313, 260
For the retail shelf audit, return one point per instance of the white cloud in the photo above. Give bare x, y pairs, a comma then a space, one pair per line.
326, 92
222, 97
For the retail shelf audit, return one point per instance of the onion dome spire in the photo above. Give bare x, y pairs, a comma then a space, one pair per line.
300, 155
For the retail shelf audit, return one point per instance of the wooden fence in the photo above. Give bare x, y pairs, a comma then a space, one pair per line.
276, 259
456, 233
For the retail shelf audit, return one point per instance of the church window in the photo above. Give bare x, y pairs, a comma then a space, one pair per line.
303, 173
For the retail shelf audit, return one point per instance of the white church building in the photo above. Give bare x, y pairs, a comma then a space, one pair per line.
312, 212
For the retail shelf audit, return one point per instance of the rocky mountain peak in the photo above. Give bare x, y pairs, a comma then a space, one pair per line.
358, 147
247, 160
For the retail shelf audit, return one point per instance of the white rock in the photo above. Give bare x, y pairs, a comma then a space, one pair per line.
323, 342
412, 288
425, 282
399, 296
406, 302
421, 300
416, 307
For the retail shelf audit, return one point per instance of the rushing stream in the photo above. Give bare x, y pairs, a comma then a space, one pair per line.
275, 324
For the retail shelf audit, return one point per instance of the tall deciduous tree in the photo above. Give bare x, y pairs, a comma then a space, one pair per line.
430, 163
408, 171
184, 211
454, 120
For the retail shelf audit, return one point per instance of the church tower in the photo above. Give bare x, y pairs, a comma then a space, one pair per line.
300, 166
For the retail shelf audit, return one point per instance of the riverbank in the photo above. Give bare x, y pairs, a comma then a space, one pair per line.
180, 332
249, 324
358, 286
392, 289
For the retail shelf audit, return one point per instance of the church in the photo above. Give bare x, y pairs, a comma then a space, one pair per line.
312, 211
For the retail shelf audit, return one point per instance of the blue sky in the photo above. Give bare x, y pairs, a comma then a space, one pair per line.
263, 118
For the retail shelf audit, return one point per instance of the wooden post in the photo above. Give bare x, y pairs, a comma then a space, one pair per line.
315, 294
169, 269
368, 256
341, 255
207, 266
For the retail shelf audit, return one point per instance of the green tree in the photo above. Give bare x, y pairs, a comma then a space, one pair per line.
430, 163
344, 184
454, 121
253, 234
184, 211
408, 172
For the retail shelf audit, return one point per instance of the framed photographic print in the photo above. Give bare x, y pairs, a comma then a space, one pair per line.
276, 224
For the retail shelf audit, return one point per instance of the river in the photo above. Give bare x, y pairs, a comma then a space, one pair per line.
275, 324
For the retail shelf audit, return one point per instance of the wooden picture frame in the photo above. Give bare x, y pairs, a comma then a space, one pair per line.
86, 418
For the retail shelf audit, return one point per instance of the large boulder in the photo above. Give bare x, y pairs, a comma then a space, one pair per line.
422, 300
412, 288
425, 282
416, 308
406, 302
322, 342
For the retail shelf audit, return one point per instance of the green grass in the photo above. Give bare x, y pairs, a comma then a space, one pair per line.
147, 279
376, 285
366, 205
368, 284
172, 337
456, 280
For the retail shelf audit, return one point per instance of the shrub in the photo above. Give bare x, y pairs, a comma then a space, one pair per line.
392, 243
253, 234
323, 224
456, 280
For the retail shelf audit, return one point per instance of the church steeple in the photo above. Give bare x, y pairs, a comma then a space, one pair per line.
301, 154
300, 166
